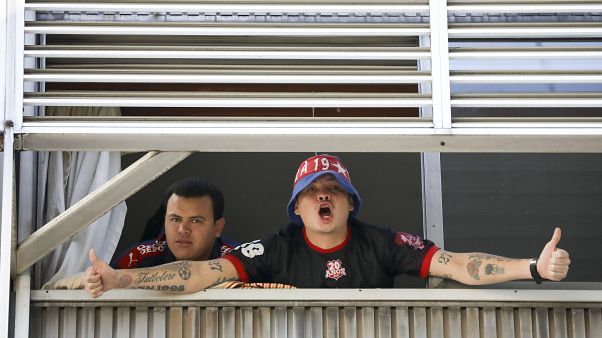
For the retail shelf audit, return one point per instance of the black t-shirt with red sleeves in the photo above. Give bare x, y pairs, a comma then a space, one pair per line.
370, 257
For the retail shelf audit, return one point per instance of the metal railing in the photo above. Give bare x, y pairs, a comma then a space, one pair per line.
320, 313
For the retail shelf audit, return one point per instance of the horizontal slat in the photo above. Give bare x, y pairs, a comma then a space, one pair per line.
573, 52
388, 135
227, 99
227, 76
323, 7
230, 52
217, 68
219, 29
528, 100
526, 77
565, 6
523, 30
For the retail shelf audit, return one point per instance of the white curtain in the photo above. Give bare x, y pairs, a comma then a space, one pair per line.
67, 177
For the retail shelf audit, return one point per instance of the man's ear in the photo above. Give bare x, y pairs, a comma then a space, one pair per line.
296, 209
351, 204
219, 227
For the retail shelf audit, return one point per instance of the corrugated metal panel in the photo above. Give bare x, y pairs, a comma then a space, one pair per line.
318, 321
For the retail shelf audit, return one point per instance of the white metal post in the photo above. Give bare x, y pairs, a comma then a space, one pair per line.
14, 63
6, 231
22, 300
9, 39
3, 57
440, 64
432, 197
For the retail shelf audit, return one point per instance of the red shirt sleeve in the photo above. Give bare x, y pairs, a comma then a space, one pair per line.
426, 263
242, 273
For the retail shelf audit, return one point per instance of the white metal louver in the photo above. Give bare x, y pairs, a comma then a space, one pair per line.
326, 43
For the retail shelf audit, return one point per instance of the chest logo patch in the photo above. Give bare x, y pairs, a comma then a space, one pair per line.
335, 269
251, 249
404, 238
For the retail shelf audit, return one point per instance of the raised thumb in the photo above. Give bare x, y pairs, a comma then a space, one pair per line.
92, 256
555, 238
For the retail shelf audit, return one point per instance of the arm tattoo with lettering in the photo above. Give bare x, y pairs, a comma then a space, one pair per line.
215, 265
444, 258
170, 288
494, 269
157, 276
221, 280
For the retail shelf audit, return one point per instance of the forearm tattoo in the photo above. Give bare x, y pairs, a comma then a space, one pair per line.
124, 281
475, 261
444, 258
494, 258
445, 275
215, 265
158, 276
494, 269
170, 288
184, 270
473, 267
168, 274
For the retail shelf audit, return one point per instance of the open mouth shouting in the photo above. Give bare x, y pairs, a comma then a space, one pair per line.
325, 211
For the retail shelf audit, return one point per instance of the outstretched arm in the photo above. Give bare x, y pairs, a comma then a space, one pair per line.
480, 268
180, 276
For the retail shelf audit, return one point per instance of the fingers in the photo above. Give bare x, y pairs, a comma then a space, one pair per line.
558, 265
560, 254
93, 283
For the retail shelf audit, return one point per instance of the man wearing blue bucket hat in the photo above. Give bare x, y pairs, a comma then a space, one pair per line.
326, 246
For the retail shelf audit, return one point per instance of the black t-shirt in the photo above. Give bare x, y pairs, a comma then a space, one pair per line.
370, 257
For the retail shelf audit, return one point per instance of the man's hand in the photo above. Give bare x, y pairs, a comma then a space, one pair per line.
100, 277
553, 263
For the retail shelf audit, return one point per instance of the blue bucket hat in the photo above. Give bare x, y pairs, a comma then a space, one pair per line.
314, 167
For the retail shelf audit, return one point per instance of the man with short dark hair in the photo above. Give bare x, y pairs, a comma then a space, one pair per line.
326, 246
192, 213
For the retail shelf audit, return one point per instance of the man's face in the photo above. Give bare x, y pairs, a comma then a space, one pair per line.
190, 229
324, 205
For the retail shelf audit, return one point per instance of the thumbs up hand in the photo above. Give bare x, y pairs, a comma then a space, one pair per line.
553, 263
99, 277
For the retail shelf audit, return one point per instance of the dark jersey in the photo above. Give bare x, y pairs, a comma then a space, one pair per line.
156, 252
370, 257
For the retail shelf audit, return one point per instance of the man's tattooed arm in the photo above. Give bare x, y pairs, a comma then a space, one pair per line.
181, 276
477, 268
